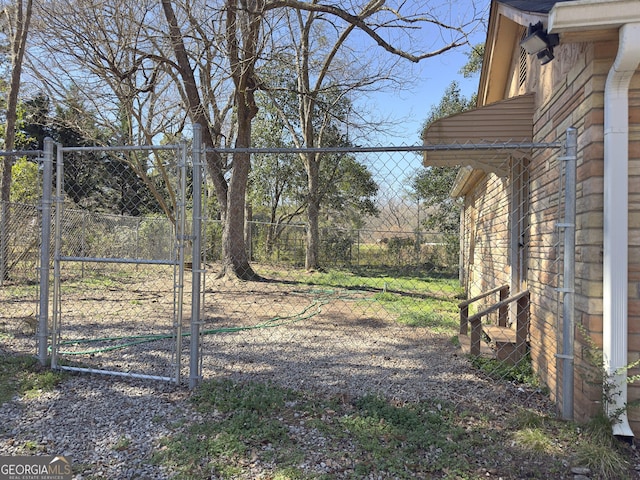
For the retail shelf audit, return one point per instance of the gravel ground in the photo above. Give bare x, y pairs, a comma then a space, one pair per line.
111, 426
329, 344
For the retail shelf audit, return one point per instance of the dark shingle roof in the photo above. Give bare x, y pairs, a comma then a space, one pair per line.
537, 6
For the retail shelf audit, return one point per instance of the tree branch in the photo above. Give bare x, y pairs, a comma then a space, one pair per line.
359, 22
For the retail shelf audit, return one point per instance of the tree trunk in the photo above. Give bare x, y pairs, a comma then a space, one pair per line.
242, 58
231, 197
18, 46
271, 234
197, 110
312, 262
235, 261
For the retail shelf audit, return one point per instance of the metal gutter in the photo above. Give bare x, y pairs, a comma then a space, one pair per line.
584, 15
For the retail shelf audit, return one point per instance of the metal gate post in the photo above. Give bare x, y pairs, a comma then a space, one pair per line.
181, 227
568, 284
195, 374
59, 201
45, 250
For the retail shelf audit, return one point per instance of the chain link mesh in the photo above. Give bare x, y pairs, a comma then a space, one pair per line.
19, 281
22, 242
379, 312
20, 221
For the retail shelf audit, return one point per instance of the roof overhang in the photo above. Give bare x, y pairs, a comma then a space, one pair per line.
482, 138
465, 180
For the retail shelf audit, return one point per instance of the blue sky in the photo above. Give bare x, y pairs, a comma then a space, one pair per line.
405, 110
408, 108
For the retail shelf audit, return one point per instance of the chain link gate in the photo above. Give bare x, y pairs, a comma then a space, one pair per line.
123, 227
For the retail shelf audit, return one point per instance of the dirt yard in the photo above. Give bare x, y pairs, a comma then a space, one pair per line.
336, 341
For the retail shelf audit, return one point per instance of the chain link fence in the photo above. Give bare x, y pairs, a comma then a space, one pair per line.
380, 311
94, 234
22, 243
19, 282
20, 238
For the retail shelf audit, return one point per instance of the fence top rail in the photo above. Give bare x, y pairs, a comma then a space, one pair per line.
20, 153
414, 148
121, 148
403, 233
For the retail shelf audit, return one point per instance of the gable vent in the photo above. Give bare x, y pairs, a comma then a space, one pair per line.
522, 70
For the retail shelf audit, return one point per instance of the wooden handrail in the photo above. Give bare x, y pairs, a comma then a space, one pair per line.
498, 305
482, 295
522, 322
464, 308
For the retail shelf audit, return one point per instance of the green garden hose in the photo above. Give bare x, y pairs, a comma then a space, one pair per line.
305, 314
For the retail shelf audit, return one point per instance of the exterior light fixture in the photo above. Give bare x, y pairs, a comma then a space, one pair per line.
545, 56
540, 43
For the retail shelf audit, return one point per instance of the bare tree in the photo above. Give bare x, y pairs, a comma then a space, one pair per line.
246, 24
108, 57
214, 53
323, 68
241, 32
245, 27
132, 68
201, 82
17, 20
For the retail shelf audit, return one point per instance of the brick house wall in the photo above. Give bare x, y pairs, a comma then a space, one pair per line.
569, 92
485, 239
576, 98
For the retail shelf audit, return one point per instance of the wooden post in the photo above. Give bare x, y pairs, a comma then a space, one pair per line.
464, 316
476, 335
503, 312
522, 326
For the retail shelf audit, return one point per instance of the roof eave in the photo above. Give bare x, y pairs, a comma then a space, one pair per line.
499, 47
508, 121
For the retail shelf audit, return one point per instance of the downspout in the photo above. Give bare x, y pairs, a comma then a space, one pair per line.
616, 212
